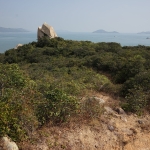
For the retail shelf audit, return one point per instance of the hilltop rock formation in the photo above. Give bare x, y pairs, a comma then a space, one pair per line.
46, 30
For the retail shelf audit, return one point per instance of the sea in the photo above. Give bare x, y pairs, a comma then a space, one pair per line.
9, 40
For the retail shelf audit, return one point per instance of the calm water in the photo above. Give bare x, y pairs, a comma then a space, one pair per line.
10, 40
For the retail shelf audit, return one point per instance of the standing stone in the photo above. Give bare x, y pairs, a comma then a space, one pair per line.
46, 30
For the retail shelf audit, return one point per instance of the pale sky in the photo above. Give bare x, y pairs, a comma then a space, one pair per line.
124, 16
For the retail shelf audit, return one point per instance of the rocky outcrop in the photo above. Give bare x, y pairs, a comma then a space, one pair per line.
46, 30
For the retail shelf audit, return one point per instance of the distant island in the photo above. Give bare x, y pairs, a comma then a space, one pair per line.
147, 32
103, 31
2, 29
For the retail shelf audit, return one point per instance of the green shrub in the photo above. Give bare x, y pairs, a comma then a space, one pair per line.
102, 83
136, 100
17, 103
57, 107
1, 58
11, 76
91, 107
141, 80
9, 110
17, 112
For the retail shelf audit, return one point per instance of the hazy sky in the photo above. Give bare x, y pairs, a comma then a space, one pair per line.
129, 16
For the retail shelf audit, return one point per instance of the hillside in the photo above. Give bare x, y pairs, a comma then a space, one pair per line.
64, 94
112, 130
2, 29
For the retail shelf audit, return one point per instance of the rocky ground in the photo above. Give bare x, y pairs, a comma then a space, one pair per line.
114, 130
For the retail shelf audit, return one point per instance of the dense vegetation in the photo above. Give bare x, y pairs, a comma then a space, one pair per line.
43, 81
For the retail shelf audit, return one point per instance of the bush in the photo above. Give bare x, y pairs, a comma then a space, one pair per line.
17, 103
57, 107
9, 121
136, 100
1, 58
102, 83
141, 80
11, 76
92, 108
17, 112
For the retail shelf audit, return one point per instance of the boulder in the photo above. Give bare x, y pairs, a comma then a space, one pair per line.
119, 110
8, 144
95, 99
109, 111
111, 127
46, 30
18, 45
